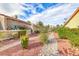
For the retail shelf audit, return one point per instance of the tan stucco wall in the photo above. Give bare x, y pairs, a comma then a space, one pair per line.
7, 23
74, 22
11, 23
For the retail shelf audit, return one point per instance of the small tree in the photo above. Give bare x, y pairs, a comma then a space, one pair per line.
40, 23
28, 22
39, 26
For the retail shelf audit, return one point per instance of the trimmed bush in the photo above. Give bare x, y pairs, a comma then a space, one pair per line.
24, 41
43, 38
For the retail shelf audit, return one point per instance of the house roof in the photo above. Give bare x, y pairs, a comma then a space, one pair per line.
76, 11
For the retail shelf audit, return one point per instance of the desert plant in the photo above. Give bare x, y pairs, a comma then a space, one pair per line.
43, 38
21, 33
24, 41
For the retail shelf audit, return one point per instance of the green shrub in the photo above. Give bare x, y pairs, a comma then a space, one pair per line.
71, 34
24, 41
63, 33
24, 38
75, 31
21, 33
75, 42
43, 38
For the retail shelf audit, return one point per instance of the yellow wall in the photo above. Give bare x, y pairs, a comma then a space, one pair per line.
74, 22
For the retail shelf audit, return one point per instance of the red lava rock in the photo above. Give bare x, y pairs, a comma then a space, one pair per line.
32, 50
5, 42
65, 47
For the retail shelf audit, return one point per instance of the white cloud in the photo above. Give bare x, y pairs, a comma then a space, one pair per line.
56, 14
10, 8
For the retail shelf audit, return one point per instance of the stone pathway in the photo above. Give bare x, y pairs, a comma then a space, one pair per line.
50, 49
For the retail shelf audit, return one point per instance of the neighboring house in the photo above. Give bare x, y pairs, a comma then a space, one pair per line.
12, 23
73, 21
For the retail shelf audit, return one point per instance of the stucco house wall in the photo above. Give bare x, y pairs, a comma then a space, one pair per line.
74, 23
10, 23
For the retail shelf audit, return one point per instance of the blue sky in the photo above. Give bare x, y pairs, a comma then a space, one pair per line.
48, 13
35, 8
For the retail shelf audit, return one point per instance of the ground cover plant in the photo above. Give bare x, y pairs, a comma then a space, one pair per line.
71, 34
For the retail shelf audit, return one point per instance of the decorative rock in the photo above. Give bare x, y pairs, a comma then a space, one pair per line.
50, 49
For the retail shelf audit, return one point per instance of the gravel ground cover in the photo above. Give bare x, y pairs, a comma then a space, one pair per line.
50, 49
